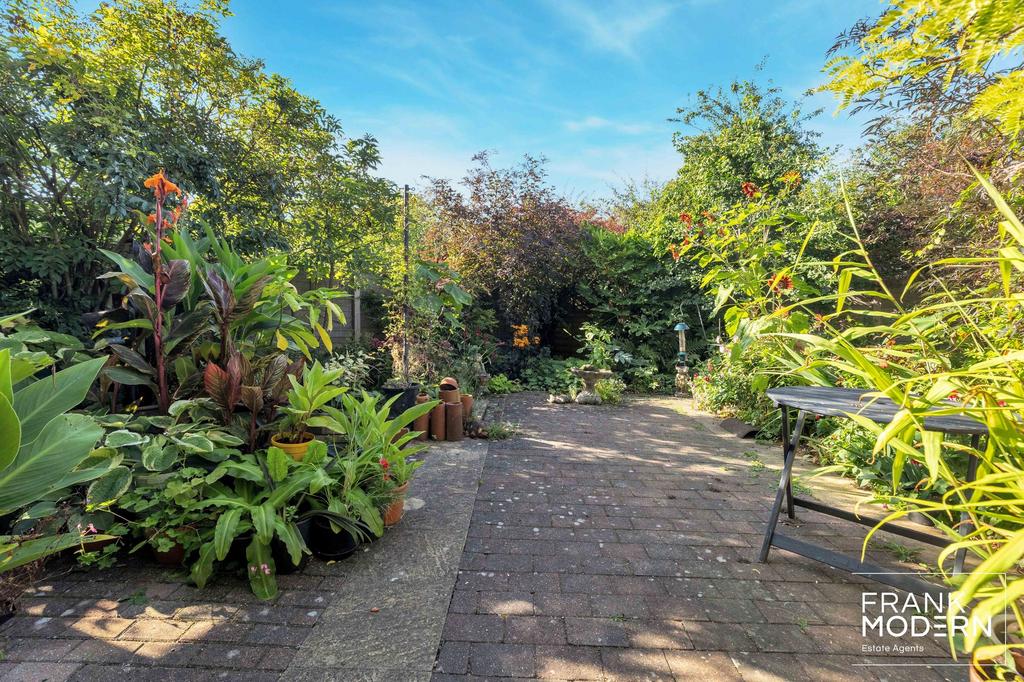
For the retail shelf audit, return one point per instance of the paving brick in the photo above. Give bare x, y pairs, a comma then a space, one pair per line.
28, 649
103, 651
534, 630
635, 664
474, 628
155, 631
505, 660
40, 672
453, 658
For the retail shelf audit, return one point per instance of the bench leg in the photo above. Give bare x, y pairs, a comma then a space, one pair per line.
789, 443
966, 527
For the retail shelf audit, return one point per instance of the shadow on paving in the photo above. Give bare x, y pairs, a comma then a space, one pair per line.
614, 543
143, 622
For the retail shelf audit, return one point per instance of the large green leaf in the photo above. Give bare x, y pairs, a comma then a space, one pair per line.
109, 486
41, 466
41, 401
10, 433
224, 532
202, 569
261, 570
131, 268
6, 380
15, 553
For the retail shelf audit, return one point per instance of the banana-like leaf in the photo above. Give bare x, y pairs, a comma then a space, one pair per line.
15, 552
42, 465
10, 432
42, 400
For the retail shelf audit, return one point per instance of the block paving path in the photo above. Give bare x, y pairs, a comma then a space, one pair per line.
599, 543
616, 543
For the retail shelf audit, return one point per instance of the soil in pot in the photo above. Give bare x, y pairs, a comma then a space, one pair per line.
406, 398
294, 450
395, 510
283, 560
327, 544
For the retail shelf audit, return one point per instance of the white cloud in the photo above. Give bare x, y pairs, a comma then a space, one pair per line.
598, 123
612, 27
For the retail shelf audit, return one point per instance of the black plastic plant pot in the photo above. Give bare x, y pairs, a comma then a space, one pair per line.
327, 544
279, 550
407, 398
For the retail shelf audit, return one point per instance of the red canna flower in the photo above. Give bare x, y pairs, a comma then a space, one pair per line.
686, 219
750, 190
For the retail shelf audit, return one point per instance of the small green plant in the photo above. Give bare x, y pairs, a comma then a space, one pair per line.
903, 554
610, 390
501, 384
803, 624
306, 399
500, 431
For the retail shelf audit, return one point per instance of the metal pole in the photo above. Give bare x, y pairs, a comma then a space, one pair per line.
405, 285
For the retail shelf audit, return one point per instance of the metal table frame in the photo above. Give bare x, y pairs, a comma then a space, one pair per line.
878, 411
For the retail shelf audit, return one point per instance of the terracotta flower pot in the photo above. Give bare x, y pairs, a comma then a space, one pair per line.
393, 514
422, 423
448, 390
294, 450
467, 406
437, 422
453, 421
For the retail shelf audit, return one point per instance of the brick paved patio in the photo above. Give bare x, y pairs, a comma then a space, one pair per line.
601, 543
616, 544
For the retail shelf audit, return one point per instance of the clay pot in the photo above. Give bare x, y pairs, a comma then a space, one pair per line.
393, 514
448, 390
453, 421
422, 423
437, 423
467, 406
294, 450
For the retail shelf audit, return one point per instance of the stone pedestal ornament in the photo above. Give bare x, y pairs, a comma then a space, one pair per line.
590, 377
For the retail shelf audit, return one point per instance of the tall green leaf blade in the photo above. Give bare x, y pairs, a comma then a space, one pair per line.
224, 532
261, 570
10, 433
6, 378
40, 466
41, 401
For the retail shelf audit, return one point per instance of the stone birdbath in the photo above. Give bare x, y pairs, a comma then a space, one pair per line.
590, 376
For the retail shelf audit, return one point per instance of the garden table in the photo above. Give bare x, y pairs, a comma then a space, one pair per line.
842, 402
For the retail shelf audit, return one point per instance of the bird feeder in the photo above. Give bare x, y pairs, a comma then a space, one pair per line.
682, 371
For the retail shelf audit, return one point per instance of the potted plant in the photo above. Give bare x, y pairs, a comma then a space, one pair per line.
366, 471
160, 511
398, 471
305, 400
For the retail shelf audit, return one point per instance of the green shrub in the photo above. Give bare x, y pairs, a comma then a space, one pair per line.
544, 373
501, 384
610, 390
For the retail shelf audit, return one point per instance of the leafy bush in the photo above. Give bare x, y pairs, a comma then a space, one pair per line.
610, 390
544, 373
501, 384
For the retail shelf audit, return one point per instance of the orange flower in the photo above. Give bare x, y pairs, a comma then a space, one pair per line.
750, 190
161, 186
151, 218
674, 250
708, 216
686, 219
791, 178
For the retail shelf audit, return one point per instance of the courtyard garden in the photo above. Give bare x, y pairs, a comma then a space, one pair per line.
264, 412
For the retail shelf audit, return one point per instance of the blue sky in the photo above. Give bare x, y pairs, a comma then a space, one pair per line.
589, 85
